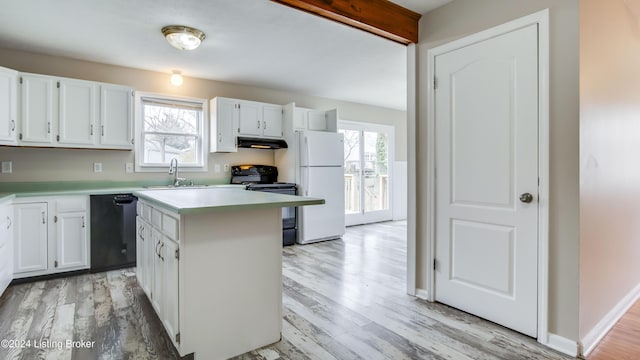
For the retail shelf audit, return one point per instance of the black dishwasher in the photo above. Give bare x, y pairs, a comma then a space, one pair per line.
113, 231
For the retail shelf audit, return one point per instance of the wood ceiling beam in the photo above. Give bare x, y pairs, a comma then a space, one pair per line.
380, 17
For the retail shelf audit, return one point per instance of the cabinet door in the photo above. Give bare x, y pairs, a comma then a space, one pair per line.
140, 246
71, 240
6, 246
30, 231
8, 106
37, 109
116, 115
300, 119
78, 112
249, 119
170, 254
148, 258
317, 120
157, 288
223, 127
272, 120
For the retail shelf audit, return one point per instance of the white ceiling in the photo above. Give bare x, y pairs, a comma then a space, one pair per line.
253, 42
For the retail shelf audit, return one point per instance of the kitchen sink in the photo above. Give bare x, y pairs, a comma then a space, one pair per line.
173, 187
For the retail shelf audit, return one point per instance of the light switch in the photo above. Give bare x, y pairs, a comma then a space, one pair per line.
226, 168
97, 167
7, 167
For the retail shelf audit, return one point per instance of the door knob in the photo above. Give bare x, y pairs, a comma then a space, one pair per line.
526, 198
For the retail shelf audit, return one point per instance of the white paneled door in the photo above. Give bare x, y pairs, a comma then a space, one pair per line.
486, 106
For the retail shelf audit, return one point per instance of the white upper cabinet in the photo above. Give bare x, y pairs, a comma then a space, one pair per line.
315, 120
259, 119
116, 115
8, 106
78, 112
82, 114
231, 118
224, 121
272, 120
249, 118
37, 109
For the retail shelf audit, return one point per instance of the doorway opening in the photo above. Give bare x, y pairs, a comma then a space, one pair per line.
368, 172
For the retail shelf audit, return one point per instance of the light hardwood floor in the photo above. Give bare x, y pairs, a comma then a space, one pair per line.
623, 341
343, 299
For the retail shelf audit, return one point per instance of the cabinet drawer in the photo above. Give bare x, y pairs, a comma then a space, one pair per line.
170, 226
69, 204
156, 218
146, 212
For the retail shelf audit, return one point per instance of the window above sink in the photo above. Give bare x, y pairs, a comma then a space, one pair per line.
169, 127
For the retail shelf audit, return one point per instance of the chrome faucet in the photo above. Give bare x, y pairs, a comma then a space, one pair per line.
173, 170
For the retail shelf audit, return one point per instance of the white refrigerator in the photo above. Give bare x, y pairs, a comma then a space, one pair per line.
320, 174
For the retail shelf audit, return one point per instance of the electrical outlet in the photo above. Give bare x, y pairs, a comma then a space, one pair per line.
7, 167
129, 168
226, 168
97, 167
216, 168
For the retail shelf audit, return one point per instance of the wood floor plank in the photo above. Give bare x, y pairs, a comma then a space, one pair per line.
61, 331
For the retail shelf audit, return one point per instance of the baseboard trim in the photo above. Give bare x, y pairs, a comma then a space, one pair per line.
422, 294
593, 337
562, 344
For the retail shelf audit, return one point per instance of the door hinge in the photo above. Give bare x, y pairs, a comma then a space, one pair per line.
57, 137
178, 338
20, 136
20, 79
55, 219
55, 264
132, 141
58, 84
238, 129
435, 83
435, 264
178, 254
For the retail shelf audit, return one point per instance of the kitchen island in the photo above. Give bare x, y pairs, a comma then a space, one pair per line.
210, 262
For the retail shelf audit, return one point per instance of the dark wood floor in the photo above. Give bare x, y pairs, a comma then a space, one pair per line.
342, 300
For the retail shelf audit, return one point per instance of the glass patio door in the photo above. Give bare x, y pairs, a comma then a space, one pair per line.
367, 172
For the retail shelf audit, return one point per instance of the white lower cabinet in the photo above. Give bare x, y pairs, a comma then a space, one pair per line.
50, 235
6, 245
158, 273
170, 257
31, 237
158, 265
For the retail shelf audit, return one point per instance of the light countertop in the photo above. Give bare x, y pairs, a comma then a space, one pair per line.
189, 201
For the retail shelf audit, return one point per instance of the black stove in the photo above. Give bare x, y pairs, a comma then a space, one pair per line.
265, 178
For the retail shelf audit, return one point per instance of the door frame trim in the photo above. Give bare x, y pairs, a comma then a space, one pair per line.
540, 18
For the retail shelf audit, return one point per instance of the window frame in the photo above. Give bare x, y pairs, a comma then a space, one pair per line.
203, 125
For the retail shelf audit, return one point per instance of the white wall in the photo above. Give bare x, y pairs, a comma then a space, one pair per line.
67, 165
464, 17
609, 161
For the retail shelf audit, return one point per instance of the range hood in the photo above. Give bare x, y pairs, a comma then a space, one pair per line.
259, 143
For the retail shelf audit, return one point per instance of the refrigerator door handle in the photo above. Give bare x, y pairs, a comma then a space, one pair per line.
306, 149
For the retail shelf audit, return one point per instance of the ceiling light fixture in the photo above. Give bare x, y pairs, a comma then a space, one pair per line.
176, 78
183, 37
